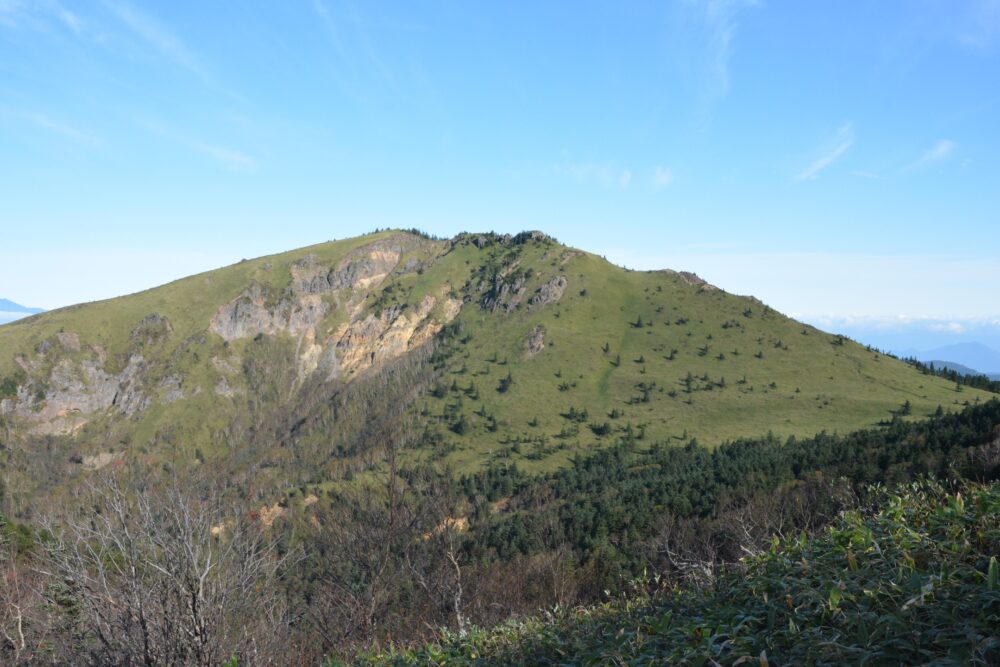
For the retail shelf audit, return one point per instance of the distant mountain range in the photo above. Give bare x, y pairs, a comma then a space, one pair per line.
971, 358
10, 311
8, 306
959, 368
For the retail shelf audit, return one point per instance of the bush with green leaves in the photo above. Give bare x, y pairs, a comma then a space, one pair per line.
913, 579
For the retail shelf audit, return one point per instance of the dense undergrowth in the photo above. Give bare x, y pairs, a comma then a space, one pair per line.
911, 579
393, 565
616, 500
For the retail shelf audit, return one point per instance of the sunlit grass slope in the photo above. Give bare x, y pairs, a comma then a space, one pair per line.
661, 354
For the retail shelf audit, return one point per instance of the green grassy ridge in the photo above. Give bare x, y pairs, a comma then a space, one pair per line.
779, 375
785, 377
913, 581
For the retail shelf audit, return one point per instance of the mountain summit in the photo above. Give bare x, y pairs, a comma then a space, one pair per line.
469, 351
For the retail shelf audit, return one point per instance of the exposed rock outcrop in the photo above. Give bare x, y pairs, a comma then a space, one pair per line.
70, 341
223, 389
66, 383
251, 314
504, 292
170, 389
152, 329
372, 340
101, 460
535, 341
692, 279
548, 293
314, 291
74, 391
482, 241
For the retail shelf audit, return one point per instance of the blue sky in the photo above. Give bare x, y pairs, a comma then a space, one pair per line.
838, 160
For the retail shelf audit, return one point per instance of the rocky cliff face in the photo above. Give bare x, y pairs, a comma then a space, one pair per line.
323, 310
59, 401
548, 293
315, 290
360, 342
374, 340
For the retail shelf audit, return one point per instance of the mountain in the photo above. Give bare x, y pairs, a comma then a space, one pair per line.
984, 359
8, 306
10, 311
952, 366
468, 352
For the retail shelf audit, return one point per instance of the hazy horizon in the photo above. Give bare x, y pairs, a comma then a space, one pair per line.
897, 333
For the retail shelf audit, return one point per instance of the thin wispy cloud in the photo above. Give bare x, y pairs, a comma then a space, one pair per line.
157, 36
332, 26
225, 157
610, 176
41, 15
606, 175
355, 49
841, 144
936, 153
662, 177
948, 327
715, 23
19, 14
61, 128
70, 20
11, 12
978, 26
723, 19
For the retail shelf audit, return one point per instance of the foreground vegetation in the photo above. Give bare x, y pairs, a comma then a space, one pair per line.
620, 498
911, 579
179, 574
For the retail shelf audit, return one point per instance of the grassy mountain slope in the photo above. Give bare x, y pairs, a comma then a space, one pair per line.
915, 582
476, 349
752, 369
